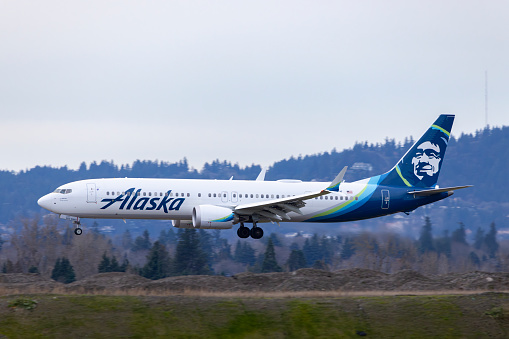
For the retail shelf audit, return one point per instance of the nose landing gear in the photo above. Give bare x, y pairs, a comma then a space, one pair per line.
77, 230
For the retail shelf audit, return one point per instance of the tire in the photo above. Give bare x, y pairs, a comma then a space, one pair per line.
256, 233
243, 232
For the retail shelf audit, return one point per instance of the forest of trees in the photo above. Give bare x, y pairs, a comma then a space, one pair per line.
51, 249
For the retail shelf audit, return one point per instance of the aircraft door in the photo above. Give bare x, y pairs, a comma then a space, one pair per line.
385, 199
91, 193
224, 196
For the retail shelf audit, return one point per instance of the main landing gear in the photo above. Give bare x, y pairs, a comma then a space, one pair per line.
255, 232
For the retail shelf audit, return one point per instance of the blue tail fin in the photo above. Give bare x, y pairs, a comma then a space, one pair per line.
421, 165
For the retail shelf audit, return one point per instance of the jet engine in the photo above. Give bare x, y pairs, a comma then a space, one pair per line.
212, 217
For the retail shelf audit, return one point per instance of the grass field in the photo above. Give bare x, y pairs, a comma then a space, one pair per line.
483, 315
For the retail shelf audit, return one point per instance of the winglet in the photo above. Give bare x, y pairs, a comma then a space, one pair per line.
334, 185
261, 176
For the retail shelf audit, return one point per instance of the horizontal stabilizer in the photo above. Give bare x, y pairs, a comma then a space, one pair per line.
425, 193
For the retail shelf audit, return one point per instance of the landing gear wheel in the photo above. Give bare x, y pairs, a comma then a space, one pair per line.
78, 231
243, 232
256, 232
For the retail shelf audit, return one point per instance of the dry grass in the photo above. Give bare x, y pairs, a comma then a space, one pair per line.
33, 290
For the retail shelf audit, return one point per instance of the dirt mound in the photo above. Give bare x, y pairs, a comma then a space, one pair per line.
477, 280
31, 282
108, 282
408, 280
306, 279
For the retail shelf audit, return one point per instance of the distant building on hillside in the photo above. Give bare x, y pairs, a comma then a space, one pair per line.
362, 166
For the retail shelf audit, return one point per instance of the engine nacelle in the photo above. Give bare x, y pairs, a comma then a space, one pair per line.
182, 223
212, 217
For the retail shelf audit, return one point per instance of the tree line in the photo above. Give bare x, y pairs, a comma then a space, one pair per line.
51, 249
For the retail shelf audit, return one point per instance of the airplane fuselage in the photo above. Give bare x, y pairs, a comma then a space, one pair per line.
174, 199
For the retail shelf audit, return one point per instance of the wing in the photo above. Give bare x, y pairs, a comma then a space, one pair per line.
277, 210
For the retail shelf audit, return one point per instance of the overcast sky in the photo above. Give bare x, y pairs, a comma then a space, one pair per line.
244, 81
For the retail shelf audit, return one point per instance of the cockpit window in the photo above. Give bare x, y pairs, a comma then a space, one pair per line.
63, 190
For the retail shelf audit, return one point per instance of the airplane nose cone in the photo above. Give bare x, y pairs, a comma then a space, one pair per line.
45, 202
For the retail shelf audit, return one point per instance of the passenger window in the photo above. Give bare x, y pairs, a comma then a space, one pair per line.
257, 195
199, 195
262, 196
214, 195
251, 195
107, 193
144, 194
188, 195
277, 196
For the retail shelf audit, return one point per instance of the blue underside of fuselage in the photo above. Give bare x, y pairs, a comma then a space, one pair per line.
373, 203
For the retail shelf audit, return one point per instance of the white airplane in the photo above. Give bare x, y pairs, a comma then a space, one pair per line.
221, 204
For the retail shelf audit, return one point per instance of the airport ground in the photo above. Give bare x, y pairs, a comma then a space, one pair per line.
478, 315
275, 305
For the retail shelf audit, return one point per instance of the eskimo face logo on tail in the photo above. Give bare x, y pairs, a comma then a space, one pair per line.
426, 160
422, 165
132, 200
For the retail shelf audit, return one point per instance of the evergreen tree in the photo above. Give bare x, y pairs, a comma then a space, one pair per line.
114, 266
244, 253
108, 264
142, 242
490, 241
269, 260
425, 243
158, 264
33, 269
224, 251
319, 265
348, 249
127, 239
206, 244
443, 244
8, 267
63, 271
474, 259
312, 250
296, 260
168, 237
459, 235
104, 265
189, 257
479, 238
